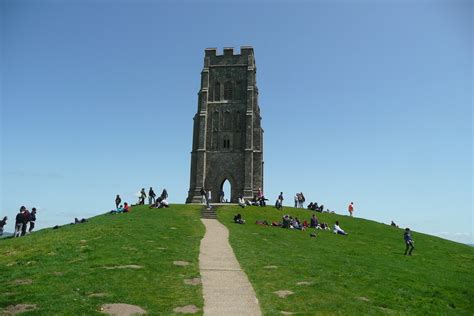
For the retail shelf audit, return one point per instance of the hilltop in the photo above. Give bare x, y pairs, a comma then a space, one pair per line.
132, 258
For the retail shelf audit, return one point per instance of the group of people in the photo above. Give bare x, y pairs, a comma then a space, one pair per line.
153, 201
151, 196
299, 200
22, 220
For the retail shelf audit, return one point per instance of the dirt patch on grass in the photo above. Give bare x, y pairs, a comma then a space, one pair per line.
82, 241
180, 263
18, 309
121, 309
161, 248
98, 295
22, 281
173, 228
129, 248
283, 293
58, 273
363, 298
303, 283
270, 267
11, 264
128, 266
11, 253
287, 313
193, 281
188, 309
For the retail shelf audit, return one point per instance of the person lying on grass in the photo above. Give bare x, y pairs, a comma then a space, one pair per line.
339, 230
118, 210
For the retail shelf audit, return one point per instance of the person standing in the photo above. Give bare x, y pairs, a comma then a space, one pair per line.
164, 194
19, 222
118, 200
296, 199
151, 196
3, 222
279, 204
142, 196
203, 196
32, 219
26, 219
408, 241
351, 208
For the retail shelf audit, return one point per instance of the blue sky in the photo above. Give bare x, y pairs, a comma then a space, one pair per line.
364, 101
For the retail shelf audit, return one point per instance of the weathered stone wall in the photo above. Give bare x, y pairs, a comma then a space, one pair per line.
228, 138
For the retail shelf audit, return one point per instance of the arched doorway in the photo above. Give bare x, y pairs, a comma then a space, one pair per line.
225, 192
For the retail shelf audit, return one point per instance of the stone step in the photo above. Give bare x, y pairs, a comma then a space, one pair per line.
208, 213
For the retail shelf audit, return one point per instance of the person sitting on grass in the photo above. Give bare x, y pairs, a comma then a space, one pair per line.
408, 241
238, 219
241, 201
126, 208
118, 210
314, 222
285, 221
339, 230
77, 221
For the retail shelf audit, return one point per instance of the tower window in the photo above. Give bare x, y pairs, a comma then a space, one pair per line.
228, 91
217, 91
226, 142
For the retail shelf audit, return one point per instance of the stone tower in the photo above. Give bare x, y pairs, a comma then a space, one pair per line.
227, 136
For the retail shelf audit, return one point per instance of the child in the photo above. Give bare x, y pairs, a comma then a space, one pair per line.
408, 241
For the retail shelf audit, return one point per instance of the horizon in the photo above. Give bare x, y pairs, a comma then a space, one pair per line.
361, 101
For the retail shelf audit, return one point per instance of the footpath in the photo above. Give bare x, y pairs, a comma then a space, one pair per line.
226, 288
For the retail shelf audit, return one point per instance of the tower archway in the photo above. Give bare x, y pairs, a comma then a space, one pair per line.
226, 191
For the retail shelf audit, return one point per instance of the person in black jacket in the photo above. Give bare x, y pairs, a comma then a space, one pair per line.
118, 200
32, 219
19, 221
151, 196
3, 222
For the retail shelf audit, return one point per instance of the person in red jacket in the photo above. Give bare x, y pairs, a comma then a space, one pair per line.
351, 208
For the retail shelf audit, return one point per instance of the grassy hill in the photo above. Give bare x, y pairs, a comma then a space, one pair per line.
364, 273
75, 269
129, 258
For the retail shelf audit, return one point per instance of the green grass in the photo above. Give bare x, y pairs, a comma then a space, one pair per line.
363, 273
68, 264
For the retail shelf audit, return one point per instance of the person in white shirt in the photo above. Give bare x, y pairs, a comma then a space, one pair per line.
241, 201
339, 230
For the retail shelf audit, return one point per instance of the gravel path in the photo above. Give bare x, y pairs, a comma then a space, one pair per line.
226, 288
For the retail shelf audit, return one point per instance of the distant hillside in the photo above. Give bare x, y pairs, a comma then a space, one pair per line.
5, 235
149, 258
363, 273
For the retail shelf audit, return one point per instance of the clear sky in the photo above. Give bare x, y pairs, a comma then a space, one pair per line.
364, 101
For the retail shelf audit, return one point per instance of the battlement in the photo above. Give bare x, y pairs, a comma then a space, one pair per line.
229, 51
